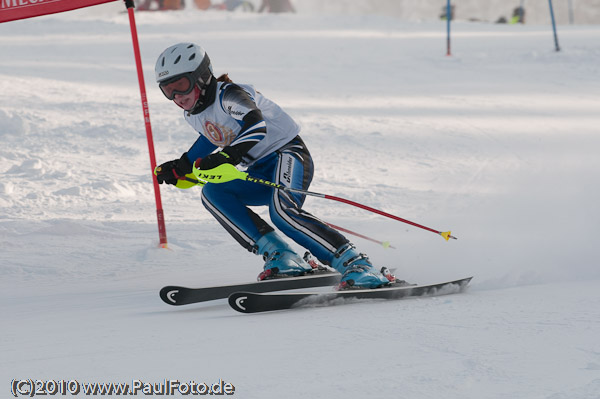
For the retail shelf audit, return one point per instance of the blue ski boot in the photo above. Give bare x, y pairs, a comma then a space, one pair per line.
280, 258
357, 271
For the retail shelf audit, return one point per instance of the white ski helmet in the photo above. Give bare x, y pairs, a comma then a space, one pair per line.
183, 60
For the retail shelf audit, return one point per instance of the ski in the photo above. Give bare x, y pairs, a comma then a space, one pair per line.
251, 302
177, 295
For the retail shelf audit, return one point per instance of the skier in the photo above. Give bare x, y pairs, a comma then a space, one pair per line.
240, 126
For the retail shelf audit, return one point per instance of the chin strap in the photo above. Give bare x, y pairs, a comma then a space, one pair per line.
207, 94
198, 93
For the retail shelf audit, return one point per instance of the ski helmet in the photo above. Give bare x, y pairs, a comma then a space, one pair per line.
181, 67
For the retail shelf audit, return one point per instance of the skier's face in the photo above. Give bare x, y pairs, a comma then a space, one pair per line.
187, 101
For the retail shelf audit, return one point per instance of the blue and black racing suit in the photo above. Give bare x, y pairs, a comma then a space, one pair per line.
270, 148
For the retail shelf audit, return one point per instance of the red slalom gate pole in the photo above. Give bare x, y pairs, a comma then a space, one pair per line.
162, 231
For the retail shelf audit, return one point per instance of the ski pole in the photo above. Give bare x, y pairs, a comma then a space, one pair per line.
227, 172
384, 244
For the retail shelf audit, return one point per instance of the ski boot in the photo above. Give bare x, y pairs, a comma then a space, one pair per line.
357, 271
280, 258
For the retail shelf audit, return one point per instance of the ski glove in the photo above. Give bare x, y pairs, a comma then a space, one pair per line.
228, 155
173, 171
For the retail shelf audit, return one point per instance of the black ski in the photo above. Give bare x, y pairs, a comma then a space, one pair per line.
249, 302
176, 295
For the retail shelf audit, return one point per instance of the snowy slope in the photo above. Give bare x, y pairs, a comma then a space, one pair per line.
497, 143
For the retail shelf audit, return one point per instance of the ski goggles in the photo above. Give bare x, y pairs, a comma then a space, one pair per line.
178, 85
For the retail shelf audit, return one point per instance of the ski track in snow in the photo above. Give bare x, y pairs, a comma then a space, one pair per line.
498, 143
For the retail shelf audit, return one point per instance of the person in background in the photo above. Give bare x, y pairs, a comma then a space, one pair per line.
444, 14
277, 6
518, 16
203, 4
227, 5
146, 5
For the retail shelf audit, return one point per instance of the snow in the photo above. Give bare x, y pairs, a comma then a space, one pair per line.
497, 143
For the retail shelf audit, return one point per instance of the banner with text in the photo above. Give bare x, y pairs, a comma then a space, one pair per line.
21, 9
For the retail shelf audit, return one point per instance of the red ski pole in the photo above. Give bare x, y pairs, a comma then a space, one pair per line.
227, 172
385, 244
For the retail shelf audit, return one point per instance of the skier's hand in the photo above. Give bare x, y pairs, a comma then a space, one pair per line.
228, 155
173, 171
183, 184
223, 173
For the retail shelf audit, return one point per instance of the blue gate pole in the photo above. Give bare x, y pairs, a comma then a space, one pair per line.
448, 18
554, 26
